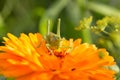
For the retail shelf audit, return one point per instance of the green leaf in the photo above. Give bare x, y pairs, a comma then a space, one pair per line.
76, 11
103, 9
2, 27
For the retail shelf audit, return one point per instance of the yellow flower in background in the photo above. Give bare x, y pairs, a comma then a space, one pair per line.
29, 58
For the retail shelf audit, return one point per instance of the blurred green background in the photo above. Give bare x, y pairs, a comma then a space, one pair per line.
25, 16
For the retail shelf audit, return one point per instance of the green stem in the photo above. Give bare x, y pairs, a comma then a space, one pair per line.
86, 36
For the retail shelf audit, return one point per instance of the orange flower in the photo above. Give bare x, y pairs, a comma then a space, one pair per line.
28, 58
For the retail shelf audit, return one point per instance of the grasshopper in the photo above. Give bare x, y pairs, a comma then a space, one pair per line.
53, 40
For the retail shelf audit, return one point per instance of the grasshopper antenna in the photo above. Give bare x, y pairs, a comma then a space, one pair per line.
58, 28
48, 27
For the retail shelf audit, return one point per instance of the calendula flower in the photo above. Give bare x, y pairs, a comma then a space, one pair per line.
31, 58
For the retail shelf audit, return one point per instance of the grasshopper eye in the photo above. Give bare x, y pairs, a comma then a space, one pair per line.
54, 38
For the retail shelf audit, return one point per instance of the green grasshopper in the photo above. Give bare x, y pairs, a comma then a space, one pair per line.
53, 40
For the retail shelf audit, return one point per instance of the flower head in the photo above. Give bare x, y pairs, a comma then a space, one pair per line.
30, 58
